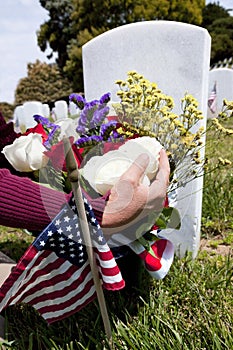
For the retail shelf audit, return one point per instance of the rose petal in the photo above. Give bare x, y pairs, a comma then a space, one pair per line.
26, 153
102, 172
133, 148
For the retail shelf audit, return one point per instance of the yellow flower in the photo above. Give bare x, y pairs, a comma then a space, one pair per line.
172, 116
227, 103
132, 72
174, 146
227, 162
229, 131
153, 86
200, 116
221, 160
118, 82
120, 93
187, 139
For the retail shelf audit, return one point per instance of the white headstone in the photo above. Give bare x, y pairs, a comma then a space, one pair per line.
18, 115
72, 108
61, 110
46, 110
174, 55
30, 109
223, 78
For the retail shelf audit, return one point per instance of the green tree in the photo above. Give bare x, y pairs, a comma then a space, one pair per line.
85, 19
222, 39
219, 24
7, 110
56, 32
211, 12
44, 83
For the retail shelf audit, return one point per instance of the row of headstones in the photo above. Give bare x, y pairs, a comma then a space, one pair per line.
220, 87
226, 63
23, 114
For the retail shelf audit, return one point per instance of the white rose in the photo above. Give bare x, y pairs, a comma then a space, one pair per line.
26, 153
133, 148
102, 172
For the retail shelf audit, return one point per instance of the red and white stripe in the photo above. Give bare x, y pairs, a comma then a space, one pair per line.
55, 287
159, 264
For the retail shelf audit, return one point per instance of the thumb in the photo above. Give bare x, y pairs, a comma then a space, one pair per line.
136, 169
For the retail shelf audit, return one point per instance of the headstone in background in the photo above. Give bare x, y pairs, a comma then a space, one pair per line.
61, 110
174, 55
23, 114
46, 110
17, 116
72, 108
30, 109
222, 78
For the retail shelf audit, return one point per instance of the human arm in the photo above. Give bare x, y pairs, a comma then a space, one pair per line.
26, 204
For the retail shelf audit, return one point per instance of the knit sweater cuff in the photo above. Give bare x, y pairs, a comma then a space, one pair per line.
26, 204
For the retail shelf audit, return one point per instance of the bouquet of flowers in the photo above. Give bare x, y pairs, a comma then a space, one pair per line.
143, 122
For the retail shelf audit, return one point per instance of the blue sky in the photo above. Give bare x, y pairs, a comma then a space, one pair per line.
19, 21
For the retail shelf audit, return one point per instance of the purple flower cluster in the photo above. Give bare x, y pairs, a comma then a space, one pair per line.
79, 100
88, 141
47, 124
92, 113
107, 128
105, 131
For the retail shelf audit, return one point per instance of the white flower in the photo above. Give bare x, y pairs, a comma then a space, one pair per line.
26, 153
68, 128
133, 148
102, 172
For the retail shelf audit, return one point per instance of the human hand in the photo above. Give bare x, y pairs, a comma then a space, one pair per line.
130, 200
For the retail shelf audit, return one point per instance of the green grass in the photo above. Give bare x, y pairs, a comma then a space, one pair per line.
217, 194
191, 309
14, 242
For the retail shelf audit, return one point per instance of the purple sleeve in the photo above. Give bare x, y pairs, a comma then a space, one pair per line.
26, 204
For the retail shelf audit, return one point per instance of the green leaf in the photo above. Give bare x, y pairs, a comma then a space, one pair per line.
169, 218
146, 245
144, 242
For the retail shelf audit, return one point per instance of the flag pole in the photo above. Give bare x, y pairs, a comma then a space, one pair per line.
74, 175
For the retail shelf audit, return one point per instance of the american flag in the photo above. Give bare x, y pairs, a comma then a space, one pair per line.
54, 274
212, 100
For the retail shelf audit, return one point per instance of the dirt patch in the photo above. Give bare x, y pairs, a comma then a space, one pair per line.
220, 249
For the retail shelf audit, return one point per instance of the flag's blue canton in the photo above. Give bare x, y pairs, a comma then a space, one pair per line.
64, 236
